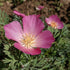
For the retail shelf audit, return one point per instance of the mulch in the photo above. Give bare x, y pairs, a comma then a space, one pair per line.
60, 8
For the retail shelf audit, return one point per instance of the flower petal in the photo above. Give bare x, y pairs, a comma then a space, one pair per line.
60, 26
48, 21
52, 18
39, 7
32, 51
32, 24
13, 31
44, 39
18, 13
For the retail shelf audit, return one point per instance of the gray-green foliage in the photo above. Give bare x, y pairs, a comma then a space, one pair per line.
4, 19
55, 58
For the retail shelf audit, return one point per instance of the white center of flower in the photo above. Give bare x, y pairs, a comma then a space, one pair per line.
28, 40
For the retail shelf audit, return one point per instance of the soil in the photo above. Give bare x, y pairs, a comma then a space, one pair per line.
60, 8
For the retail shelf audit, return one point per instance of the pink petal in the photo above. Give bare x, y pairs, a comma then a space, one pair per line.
47, 21
52, 18
13, 31
44, 39
17, 13
32, 24
31, 51
60, 25
56, 19
39, 7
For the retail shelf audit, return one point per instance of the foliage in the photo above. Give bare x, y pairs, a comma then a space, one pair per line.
55, 58
4, 19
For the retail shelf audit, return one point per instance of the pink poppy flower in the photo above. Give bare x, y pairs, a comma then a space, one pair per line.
54, 22
39, 7
32, 37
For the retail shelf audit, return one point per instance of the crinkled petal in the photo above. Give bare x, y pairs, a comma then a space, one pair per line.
32, 24
13, 31
44, 39
32, 51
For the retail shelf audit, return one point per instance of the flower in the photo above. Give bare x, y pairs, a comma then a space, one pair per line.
54, 22
39, 7
32, 37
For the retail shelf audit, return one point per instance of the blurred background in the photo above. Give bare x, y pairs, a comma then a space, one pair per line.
58, 7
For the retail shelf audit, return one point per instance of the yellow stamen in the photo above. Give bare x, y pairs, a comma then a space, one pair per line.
28, 40
54, 24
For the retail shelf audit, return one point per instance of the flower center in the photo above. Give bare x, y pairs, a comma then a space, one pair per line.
54, 24
28, 40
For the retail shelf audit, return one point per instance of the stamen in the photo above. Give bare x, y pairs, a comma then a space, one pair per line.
54, 24
28, 40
